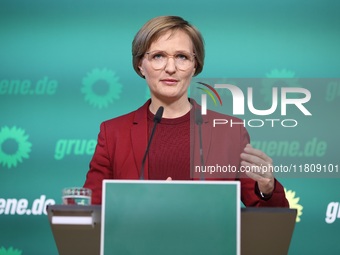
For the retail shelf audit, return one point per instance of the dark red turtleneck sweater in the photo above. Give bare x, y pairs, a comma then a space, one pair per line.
169, 153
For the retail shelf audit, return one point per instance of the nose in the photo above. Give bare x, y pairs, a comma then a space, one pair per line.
170, 66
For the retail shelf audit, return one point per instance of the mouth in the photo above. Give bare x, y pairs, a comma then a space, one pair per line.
169, 81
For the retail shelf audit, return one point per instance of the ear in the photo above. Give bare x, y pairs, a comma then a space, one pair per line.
193, 71
141, 70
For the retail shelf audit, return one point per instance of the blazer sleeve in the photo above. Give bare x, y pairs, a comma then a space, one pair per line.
100, 167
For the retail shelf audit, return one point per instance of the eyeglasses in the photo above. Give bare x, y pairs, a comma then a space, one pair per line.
158, 59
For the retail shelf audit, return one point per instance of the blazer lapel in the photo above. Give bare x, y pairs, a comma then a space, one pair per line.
139, 138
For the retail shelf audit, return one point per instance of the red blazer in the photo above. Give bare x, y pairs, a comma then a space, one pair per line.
122, 143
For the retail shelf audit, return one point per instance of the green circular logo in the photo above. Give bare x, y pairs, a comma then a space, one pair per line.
101, 87
10, 251
16, 138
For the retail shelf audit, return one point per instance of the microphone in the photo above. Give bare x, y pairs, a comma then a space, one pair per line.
156, 120
199, 122
198, 117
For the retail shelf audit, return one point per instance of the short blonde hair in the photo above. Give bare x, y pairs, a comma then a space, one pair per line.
158, 26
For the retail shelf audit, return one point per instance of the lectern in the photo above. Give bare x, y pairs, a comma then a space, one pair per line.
163, 218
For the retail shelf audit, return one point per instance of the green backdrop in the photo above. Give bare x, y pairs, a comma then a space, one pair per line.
66, 66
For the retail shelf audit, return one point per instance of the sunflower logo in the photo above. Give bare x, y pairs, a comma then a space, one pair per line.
294, 203
13, 146
284, 73
10, 251
277, 78
101, 87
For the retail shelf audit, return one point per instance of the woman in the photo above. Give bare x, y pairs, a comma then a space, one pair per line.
168, 51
